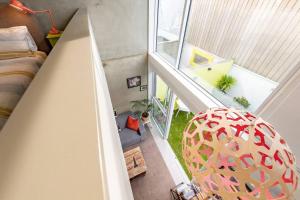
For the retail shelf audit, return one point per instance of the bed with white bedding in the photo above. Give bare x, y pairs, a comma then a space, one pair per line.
19, 63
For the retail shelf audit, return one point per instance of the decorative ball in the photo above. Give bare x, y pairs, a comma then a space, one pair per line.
234, 155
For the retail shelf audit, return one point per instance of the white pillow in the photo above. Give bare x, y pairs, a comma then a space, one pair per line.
16, 38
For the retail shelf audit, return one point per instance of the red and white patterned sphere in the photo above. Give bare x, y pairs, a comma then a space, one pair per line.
235, 155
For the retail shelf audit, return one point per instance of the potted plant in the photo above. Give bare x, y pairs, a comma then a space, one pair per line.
242, 101
142, 108
225, 83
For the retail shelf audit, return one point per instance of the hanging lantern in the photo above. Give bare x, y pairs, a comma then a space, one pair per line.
235, 155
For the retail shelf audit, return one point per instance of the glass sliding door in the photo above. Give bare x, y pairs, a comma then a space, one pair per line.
162, 105
159, 115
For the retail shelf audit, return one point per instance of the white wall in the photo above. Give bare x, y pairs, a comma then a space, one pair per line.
252, 86
283, 112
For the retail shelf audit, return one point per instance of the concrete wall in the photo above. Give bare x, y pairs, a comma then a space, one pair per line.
121, 32
117, 71
120, 27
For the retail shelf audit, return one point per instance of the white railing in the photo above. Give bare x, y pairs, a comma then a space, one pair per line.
114, 167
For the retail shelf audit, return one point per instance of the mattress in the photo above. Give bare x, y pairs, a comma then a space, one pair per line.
17, 70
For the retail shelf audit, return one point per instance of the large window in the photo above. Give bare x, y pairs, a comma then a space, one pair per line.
169, 21
238, 51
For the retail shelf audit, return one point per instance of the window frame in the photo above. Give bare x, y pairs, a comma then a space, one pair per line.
153, 30
176, 67
185, 16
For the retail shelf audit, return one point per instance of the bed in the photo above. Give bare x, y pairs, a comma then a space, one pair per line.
20, 60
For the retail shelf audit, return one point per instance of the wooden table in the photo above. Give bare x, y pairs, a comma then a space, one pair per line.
135, 162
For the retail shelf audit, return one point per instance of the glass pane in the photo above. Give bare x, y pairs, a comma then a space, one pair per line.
170, 15
240, 52
162, 92
181, 116
159, 116
161, 101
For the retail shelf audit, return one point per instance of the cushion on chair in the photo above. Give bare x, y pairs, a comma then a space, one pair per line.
132, 123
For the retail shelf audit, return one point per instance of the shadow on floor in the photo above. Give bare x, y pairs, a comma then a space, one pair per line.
157, 182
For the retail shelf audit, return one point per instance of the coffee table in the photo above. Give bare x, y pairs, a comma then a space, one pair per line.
135, 162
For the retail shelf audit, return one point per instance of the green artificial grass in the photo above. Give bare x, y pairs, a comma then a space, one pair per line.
175, 137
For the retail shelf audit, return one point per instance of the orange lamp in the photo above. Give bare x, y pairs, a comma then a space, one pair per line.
21, 7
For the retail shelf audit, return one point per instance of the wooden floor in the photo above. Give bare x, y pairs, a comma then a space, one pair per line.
157, 182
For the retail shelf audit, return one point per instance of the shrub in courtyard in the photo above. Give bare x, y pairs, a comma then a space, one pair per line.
225, 83
242, 101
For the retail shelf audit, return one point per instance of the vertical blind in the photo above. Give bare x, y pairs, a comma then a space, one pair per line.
260, 35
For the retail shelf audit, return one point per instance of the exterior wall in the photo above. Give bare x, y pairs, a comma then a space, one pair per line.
250, 86
262, 36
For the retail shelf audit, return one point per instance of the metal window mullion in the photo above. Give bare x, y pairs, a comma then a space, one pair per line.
162, 132
157, 126
156, 25
160, 106
170, 115
183, 31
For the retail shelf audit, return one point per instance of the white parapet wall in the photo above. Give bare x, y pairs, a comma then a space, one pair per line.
61, 141
114, 166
